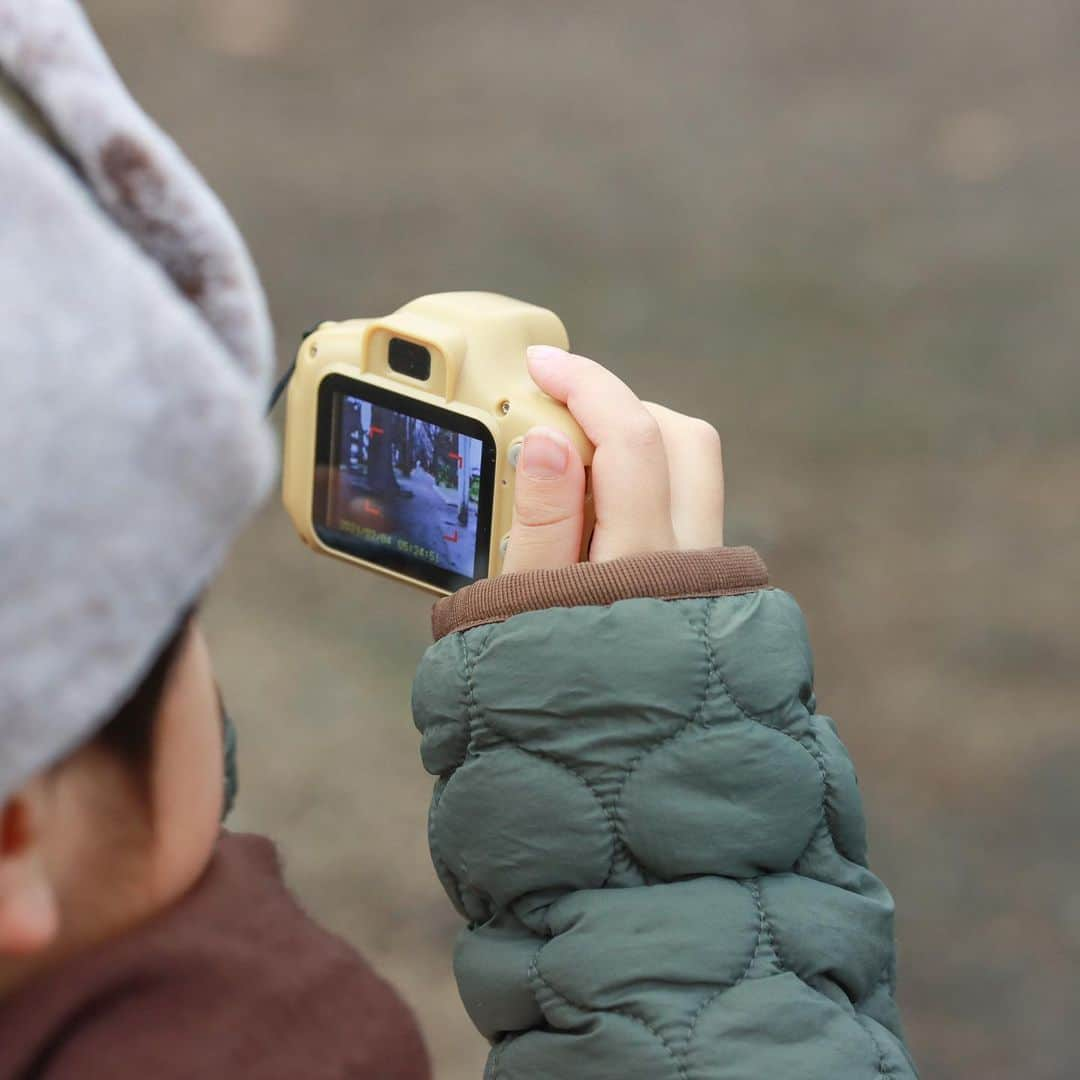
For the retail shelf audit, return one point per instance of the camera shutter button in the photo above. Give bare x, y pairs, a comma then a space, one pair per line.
513, 455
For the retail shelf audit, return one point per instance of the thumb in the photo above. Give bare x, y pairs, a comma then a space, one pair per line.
549, 504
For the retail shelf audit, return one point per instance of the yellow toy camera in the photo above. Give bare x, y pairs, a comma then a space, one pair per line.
402, 435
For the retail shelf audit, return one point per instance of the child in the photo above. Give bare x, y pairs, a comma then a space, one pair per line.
655, 840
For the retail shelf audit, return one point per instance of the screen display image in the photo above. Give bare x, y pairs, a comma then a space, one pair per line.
404, 490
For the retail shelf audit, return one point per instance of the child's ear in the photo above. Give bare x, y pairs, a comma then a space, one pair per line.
29, 911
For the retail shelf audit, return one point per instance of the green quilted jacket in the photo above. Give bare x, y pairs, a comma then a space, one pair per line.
655, 839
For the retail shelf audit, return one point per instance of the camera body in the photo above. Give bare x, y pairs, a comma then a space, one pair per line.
402, 435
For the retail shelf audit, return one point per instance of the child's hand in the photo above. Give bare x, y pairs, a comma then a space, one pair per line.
657, 476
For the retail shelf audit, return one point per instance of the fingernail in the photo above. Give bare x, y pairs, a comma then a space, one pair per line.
545, 354
545, 455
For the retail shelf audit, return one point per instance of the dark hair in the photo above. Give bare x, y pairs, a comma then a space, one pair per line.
130, 732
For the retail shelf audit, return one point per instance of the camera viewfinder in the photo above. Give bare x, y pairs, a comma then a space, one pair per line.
409, 358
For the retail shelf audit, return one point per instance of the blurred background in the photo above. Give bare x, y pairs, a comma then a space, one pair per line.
847, 234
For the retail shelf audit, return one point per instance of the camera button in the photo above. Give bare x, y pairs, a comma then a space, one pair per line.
513, 455
504, 543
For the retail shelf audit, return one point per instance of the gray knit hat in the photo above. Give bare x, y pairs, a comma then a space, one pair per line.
135, 349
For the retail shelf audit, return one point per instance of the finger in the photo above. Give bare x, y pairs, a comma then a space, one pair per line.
696, 475
631, 490
605, 407
549, 504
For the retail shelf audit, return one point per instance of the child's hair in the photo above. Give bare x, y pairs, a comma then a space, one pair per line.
130, 733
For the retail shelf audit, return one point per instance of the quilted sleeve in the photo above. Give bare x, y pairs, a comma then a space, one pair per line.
658, 847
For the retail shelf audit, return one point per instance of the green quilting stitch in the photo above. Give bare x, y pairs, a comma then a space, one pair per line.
535, 975
691, 722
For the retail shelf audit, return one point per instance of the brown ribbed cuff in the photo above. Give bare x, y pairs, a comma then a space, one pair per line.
663, 575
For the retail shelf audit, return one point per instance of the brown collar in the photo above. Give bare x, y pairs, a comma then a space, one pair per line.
234, 981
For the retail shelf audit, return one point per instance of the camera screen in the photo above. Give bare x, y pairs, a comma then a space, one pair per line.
405, 484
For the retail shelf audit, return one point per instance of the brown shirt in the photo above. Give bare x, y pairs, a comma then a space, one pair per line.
234, 981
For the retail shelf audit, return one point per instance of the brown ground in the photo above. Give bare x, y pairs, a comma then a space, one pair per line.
848, 234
